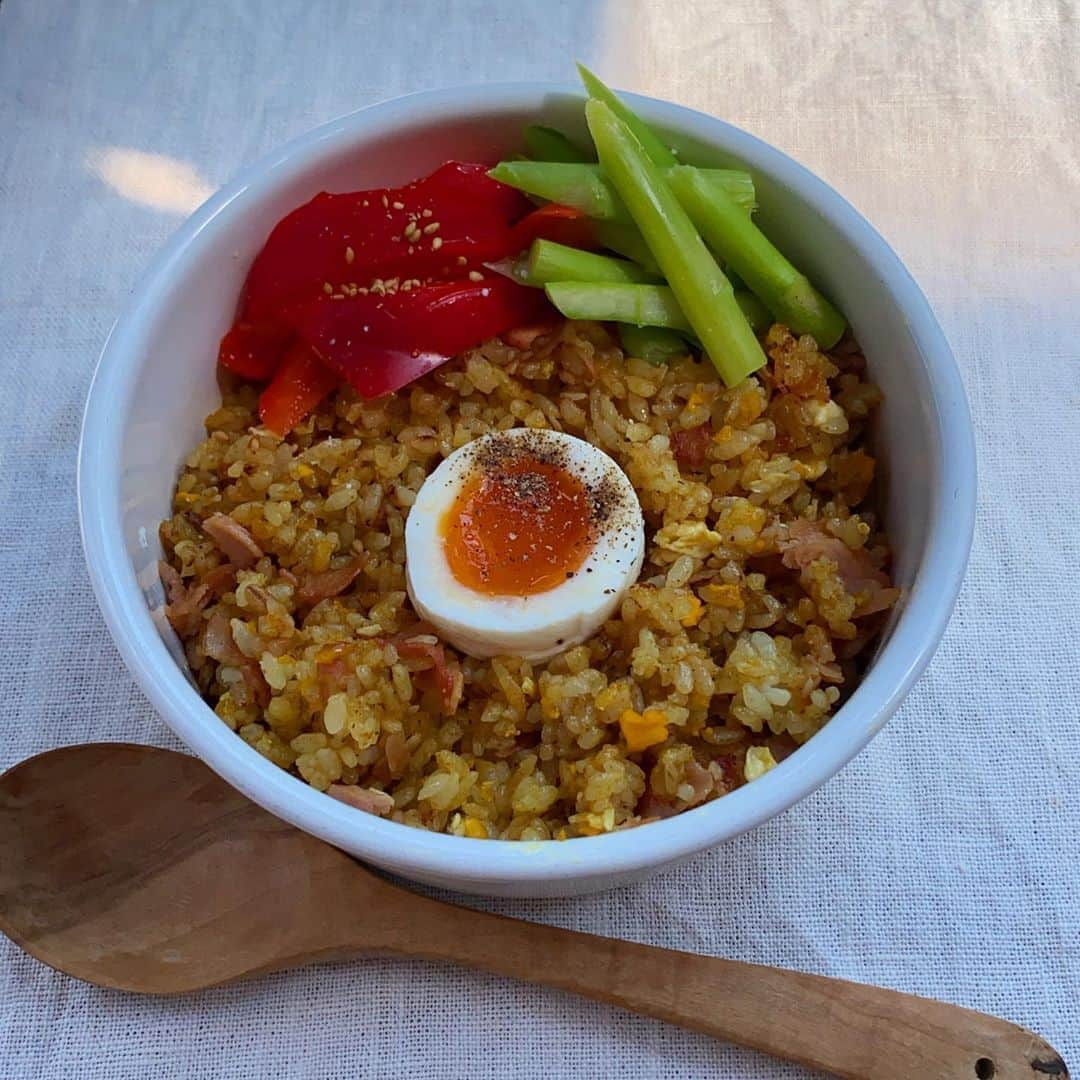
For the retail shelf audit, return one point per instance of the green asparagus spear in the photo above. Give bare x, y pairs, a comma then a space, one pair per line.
549, 261
550, 144
634, 303
628, 242
585, 188
787, 293
757, 314
641, 305
699, 285
658, 153
655, 344
581, 186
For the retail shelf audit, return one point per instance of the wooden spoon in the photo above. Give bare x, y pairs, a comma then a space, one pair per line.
140, 869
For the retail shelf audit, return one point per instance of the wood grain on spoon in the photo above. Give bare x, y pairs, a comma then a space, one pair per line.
140, 869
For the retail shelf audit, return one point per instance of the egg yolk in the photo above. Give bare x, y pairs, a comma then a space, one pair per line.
519, 530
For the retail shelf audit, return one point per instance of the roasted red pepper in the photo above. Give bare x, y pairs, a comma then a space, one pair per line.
563, 224
380, 343
254, 350
435, 228
380, 287
300, 383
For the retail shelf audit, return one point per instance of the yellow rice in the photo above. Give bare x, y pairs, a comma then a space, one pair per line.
722, 658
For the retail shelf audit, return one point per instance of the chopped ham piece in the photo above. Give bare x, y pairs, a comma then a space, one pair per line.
255, 683
184, 614
691, 445
221, 579
235, 542
316, 587
332, 674
170, 579
362, 798
185, 605
701, 780
808, 542
725, 773
218, 644
333, 667
218, 641
652, 808
449, 678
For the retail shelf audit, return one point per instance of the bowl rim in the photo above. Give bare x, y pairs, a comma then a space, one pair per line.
476, 863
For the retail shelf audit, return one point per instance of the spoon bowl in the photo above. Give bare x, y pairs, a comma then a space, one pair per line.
140, 869
127, 887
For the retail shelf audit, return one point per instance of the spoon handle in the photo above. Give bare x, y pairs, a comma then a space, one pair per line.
841, 1027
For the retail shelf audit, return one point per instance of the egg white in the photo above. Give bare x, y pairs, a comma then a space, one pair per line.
535, 627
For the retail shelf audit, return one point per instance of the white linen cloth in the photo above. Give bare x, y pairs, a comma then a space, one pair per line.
943, 860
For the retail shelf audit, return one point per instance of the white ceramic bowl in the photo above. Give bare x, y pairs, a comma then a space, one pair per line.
155, 383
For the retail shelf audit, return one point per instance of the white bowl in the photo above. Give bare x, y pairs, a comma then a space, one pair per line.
155, 383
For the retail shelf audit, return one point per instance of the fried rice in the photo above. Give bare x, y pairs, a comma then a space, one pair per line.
764, 585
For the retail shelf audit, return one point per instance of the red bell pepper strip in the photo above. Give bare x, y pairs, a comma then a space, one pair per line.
419, 232
563, 224
300, 383
380, 343
254, 350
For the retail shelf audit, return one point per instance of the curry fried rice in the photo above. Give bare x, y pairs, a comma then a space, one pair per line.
763, 587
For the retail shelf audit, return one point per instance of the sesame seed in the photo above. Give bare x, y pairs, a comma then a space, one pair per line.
385, 201
349, 255
399, 206
426, 213
436, 243
327, 288
432, 228
461, 260
475, 275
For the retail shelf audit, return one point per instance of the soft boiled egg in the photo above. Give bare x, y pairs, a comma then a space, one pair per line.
522, 543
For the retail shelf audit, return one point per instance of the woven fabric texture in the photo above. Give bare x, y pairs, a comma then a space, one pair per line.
943, 860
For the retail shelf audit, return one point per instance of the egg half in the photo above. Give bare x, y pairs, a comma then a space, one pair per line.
522, 543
